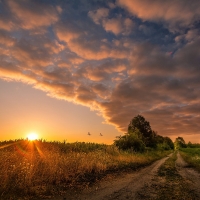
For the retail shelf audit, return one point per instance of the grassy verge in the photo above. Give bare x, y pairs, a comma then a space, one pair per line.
174, 186
44, 169
191, 156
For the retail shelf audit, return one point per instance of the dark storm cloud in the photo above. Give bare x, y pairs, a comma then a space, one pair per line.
189, 58
121, 58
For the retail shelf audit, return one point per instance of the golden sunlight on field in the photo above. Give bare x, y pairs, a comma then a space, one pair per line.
43, 169
32, 136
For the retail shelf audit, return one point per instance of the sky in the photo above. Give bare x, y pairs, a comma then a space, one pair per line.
72, 67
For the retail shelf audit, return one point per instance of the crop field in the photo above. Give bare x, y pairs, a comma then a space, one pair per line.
191, 156
44, 169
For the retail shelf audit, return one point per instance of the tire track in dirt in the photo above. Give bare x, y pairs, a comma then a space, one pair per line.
189, 174
122, 188
174, 181
167, 178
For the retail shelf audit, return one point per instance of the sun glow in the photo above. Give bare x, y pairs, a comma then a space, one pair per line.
32, 136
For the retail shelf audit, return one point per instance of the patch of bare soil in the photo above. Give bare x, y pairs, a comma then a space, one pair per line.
189, 174
169, 184
124, 187
168, 178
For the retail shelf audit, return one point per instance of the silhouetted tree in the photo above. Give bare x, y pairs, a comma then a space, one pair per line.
189, 144
140, 135
164, 142
159, 139
169, 142
180, 143
193, 145
148, 136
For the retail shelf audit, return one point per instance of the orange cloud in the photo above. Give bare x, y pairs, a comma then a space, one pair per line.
5, 39
57, 90
6, 25
182, 12
98, 15
33, 14
118, 25
88, 49
113, 25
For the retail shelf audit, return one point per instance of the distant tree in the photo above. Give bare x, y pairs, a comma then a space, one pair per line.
196, 145
180, 143
193, 145
144, 127
164, 142
169, 142
189, 144
159, 139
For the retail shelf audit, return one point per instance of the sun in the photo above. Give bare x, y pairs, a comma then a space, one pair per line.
32, 136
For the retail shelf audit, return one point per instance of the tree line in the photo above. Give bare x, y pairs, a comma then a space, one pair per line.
140, 136
180, 143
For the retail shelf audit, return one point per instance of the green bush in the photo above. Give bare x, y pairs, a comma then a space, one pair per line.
131, 141
163, 146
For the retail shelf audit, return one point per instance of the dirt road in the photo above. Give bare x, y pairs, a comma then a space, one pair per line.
168, 178
189, 174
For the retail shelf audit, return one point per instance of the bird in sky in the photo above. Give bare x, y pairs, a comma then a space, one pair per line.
100, 134
89, 133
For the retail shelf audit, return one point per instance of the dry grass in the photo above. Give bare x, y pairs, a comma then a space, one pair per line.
42, 169
191, 156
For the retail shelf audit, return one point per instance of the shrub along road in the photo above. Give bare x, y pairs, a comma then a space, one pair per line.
167, 178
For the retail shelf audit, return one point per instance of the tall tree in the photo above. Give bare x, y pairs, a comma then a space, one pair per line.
180, 143
144, 127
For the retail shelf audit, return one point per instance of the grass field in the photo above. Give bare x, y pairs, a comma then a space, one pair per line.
191, 156
44, 169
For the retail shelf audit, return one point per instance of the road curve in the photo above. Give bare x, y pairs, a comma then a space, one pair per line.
125, 187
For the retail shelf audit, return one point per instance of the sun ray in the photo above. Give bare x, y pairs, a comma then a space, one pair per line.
40, 151
7, 145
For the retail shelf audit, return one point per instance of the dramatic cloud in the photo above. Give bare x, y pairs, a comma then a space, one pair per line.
179, 13
120, 58
115, 25
34, 14
98, 15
